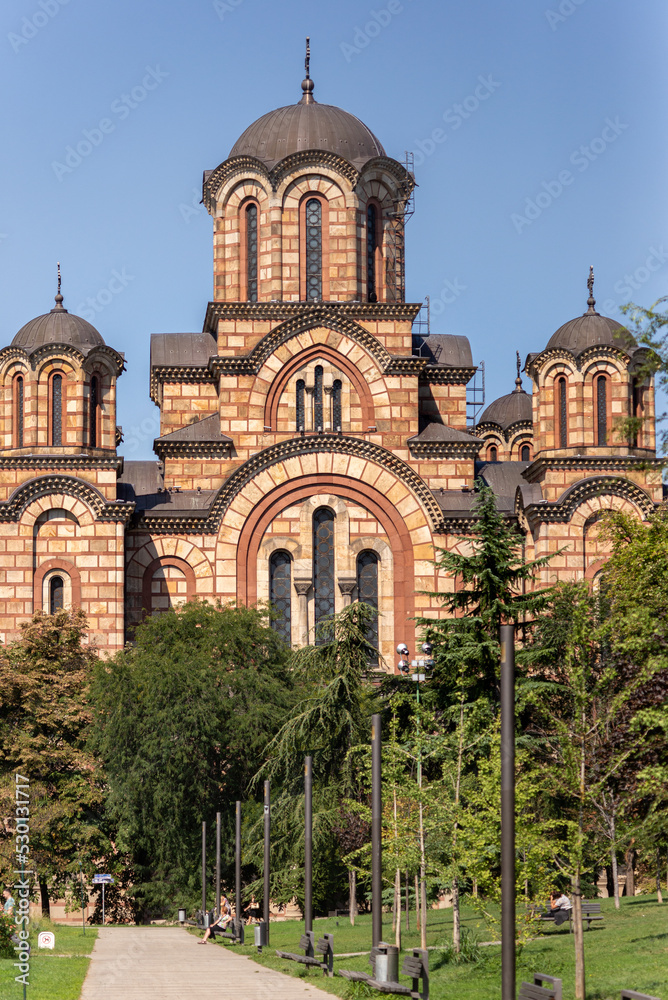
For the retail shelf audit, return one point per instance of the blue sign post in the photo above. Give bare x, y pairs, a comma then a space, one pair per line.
103, 880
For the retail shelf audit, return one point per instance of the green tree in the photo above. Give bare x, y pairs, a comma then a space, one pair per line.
182, 722
650, 329
45, 721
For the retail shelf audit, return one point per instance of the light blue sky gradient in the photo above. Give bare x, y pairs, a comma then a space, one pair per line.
136, 248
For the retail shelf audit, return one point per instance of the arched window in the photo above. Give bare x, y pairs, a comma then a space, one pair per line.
336, 405
525, 453
18, 411
492, 453
371, 247
93, 411
562, 412
317, 400
323, 564
280, 594
56, 414
56, 594
313, 250
251, 253
300, 389
637, 406
601, 411
367, 588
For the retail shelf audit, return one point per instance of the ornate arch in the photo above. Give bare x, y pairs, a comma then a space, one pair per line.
33, 489
161, 562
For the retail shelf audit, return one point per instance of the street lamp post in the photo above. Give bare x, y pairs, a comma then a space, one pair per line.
404, 666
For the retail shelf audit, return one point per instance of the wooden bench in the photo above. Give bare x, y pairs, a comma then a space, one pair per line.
324, 947
538, 991
416, 967
632, 995
590, 911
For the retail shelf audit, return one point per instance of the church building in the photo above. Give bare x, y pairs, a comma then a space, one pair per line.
313, 449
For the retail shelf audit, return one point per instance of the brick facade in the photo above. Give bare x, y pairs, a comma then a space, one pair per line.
287, 404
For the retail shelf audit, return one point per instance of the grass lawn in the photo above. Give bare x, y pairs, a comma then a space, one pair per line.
54, 975
629, 950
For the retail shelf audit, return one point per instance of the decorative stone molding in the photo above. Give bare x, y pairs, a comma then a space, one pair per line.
209, 522
114, 361
446, 375
51, 461
179, 374
104, 510
280, 310
562, 510
489, 427
302, 587
540, 466
577, 361
444, 449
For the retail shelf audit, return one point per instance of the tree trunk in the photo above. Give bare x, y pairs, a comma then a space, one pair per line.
613, 862
44, 893
456, 922
417, 904
630, 858
352, 895
578, 936
475, 888
608, 881
397, 908
408, 910
659, 897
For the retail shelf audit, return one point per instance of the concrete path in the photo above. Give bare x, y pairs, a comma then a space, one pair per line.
166, 963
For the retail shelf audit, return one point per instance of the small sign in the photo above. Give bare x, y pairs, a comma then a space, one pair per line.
418, 677
46, 939
103, 880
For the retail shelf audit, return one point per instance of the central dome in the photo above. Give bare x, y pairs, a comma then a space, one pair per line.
308, 125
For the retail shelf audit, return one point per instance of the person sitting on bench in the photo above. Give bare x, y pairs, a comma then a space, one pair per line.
560, 907
221, 923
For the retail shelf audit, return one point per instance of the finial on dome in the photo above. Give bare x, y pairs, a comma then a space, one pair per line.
591, 301
307, 82
59, 299
518, 380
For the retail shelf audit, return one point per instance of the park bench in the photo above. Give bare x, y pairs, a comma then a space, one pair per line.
416, 967
590, 911
538, 991
632, 995
324, 947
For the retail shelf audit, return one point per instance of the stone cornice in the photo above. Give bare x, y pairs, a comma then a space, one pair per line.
562, 510
209, 522
445, 449
540, 466
192, 449
178, 374
446, 375
489, 427
57, 350
36, 461
281, 310
578, 361
104, 510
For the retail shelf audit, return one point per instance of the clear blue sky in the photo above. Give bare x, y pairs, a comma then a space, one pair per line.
514, 91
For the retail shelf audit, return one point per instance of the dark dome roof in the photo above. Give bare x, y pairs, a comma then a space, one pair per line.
591, 330
308, 125
58, 327
508, 410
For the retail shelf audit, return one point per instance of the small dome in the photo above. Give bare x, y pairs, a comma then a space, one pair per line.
308, 125
58, 327
508, 410
592, 330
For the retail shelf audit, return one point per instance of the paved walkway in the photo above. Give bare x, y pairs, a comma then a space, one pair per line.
166, 963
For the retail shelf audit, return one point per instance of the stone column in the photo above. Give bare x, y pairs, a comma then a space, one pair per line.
302, 587
347, 586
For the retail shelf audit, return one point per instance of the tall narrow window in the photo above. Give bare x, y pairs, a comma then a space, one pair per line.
300, 388
336, 405
371, 246
317, 400
525, 453
562, 410
56, 594
280, 594
323, 564
94, 402
57, 411
601, 411
313, 249
367, 588
636, 411
251, 253
18, 412
492, 454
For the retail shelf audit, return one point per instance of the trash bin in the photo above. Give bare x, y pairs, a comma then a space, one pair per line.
387, 963
260, 931
182, 916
